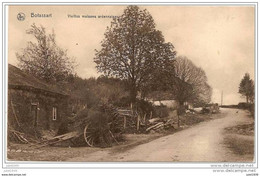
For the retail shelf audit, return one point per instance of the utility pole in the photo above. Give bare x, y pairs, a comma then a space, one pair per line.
221, 97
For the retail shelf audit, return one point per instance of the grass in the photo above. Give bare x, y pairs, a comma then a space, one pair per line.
244, 129
240, 145
240, 139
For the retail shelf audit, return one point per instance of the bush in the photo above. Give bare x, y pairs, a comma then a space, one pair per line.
123, 102
243, 105
101, 121
249, 106
252, 109
144, 107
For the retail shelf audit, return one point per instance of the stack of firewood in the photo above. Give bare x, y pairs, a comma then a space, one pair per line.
160, 125
17, 136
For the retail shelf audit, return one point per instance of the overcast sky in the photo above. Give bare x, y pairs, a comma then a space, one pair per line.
218, 39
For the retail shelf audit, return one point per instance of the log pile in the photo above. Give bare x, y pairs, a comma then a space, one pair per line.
160, 125
55, 140
17, 136
20, 137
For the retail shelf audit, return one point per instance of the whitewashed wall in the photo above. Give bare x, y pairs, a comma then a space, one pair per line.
168, 103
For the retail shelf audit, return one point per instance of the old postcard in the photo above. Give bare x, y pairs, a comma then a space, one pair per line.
149, 83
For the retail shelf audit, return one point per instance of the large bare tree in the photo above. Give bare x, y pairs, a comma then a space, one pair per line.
134, 50
196, 89
44, 58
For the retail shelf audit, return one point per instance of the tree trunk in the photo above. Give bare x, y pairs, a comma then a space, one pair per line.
133, 94
181, 103
178, 121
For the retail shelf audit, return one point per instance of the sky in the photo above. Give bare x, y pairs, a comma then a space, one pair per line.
219, 39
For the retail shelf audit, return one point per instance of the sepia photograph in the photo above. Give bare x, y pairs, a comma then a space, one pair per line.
131, 83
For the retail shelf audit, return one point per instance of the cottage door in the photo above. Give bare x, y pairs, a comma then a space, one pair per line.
35, 114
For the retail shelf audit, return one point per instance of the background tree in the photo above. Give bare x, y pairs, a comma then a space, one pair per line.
191, 83
133, 49
92, 91
110, 90
246, 88
45, 59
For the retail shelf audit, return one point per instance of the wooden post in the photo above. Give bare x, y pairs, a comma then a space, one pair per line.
124, 122
138, 123
178, 121
12, 105
178, 115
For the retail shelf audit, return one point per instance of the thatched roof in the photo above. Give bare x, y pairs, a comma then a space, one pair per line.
18, 79
160, 95
169, 94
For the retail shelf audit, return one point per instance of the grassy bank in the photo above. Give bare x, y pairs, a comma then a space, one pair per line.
240, 139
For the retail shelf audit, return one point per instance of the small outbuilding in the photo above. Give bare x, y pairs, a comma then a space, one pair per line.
33, 104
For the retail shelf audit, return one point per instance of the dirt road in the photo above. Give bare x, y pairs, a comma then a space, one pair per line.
202, 142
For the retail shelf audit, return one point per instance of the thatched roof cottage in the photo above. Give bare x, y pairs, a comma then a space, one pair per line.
34, 104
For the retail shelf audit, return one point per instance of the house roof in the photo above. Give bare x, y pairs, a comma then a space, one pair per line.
168, 94
18, 79
161, 95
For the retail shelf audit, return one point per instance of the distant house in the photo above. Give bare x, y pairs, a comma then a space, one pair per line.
34, 104
170, 98
165, 98
169, 103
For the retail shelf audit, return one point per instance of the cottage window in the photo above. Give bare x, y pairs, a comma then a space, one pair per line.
54, 113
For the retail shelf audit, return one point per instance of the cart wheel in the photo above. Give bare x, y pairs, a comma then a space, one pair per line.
89, 135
